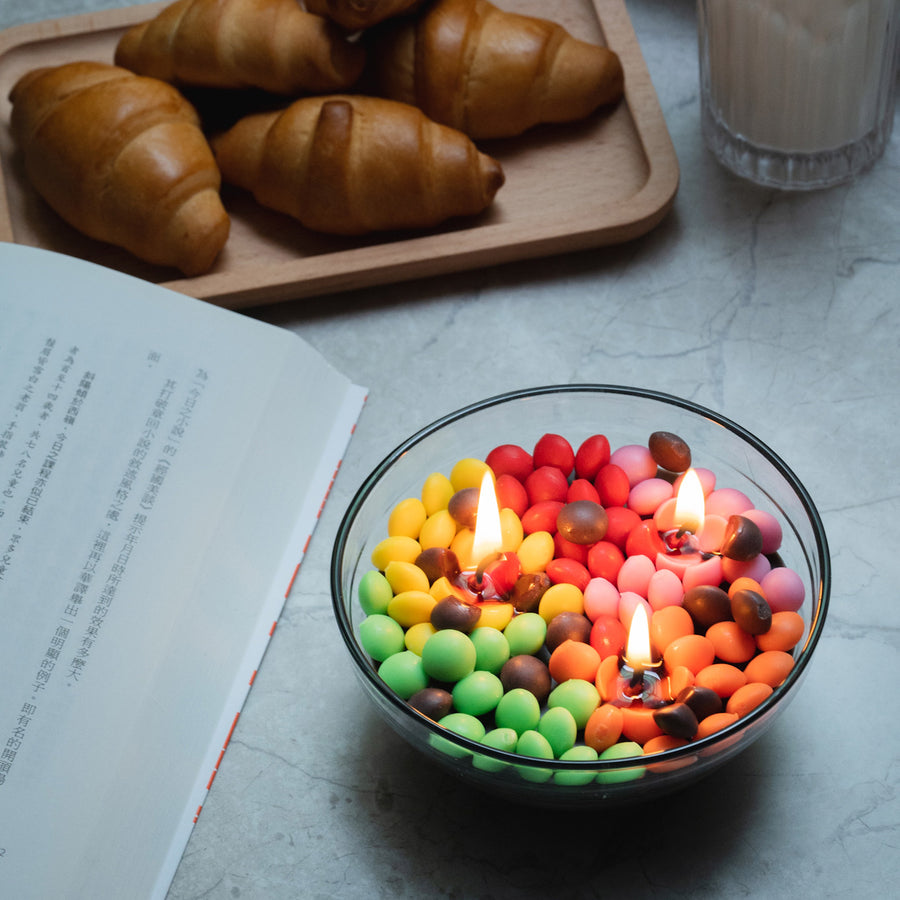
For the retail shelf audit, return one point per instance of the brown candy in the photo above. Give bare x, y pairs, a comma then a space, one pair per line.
669, 451
567, 626
529, 672
436, 562
702, 700
678, 720
743, 539
451, 612
707, 605
528, 590
751, 611
432, 702
463, 506
582, 522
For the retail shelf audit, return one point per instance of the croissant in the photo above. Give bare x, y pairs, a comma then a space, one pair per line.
269, 44
355, 164
358, 14
492, 73
122, 159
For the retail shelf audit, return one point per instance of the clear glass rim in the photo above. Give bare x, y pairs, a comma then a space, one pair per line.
365, 669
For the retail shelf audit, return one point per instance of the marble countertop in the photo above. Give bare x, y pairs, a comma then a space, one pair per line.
780, 312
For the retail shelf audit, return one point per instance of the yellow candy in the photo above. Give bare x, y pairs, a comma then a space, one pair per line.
468, 473
405, 576
495, 614
535, 552
438, 531
407, 517
436, 492
417, 634
462, 547
399, 547
562, 597
411, 607
443, 588
511, 530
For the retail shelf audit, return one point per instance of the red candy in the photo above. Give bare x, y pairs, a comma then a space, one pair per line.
568, 571
621, 522
604, 560
511, 494
510, 459
612, 485
554, 450
541, 516
592, 455
570, 549
608, 636
644, 540
582, 489
547, 483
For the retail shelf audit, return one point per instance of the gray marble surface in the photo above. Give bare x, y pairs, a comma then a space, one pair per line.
780, 311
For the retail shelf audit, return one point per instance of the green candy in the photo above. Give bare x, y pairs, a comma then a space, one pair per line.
558, 726
581, 753
621, 750
478, 693
533, 743
518, 709
448, 655
403, 673
381, 636
491, 649
375, 592
525, 634
580, 697
498, 739
462, 724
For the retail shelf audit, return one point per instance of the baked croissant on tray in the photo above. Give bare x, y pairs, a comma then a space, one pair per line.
122, 159
491, 73
353, 164
269, 44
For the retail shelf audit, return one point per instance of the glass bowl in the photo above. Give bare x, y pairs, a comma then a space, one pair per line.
625, 415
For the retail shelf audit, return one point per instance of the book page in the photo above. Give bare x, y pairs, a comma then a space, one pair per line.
162, 466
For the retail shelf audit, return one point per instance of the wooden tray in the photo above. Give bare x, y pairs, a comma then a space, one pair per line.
600, 182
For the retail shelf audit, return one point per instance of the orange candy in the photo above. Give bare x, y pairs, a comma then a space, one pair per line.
638, 724
723, 678
715, 722
746, 698
669, 623
679, 678
732, 643
607, 673
663, 742
574, 659
770, 667
744, 583
604, 727
785, 633
691, 650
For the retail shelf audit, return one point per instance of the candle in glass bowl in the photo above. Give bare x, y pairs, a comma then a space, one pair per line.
606, 599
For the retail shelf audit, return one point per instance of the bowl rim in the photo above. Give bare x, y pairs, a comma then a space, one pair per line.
365, 668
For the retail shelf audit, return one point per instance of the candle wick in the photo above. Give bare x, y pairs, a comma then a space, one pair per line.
479, 572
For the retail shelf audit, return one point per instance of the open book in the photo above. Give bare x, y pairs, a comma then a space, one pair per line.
162, 466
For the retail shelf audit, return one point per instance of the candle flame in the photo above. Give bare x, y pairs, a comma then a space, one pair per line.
488, 533
690, 504
637, 650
